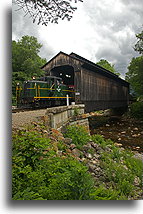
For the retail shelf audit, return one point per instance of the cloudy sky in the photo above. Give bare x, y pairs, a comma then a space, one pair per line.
100, 29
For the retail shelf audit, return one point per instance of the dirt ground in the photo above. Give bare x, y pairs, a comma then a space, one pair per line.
22, 119
122, 130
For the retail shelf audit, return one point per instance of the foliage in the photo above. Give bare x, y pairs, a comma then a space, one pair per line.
40, 174
76, 112
105, 64
119, 176
45, 11
100, 140
135, 75
135, 69
103, 193
29, 146
68, 180
26, 62
78, 134
139, 44
136, 110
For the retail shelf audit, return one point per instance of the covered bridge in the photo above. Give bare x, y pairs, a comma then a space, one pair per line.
94, 86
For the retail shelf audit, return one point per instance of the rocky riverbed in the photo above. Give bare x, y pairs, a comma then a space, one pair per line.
124, 131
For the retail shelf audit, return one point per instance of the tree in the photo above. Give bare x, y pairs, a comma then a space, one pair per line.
135, 75
139, 45
135, 69
105, 64
26, 62
45, 11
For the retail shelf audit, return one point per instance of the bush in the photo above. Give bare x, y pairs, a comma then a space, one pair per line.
14, 102
28, 147
78, 134
39, 174
136, 110
67, 179
27, 150
103, 193
100, 140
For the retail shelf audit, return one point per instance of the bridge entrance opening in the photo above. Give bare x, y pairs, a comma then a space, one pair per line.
65, 72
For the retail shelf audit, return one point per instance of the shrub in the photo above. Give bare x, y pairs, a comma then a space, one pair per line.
27, 150
120, 169
135, 166
101, 141
27, 194
39, 174
103, 193
78, 134
98, 139
14, 102
136, 110
76, 112
67, 179
28, 147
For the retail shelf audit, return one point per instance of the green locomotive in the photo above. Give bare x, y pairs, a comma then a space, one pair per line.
46, 92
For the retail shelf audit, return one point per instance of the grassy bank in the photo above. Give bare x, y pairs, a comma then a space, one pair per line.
49, 166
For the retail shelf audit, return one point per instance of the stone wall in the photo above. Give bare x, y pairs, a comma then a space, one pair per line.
61, 116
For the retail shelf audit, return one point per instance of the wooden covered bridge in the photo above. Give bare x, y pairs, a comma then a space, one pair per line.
94, 86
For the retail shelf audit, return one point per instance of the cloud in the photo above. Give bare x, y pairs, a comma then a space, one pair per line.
99, 29
116, 24
23, 25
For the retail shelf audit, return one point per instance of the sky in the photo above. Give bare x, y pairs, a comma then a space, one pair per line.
99, 29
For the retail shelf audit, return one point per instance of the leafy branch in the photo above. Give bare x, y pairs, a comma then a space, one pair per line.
46, 11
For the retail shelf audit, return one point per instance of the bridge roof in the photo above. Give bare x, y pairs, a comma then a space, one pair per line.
85, 63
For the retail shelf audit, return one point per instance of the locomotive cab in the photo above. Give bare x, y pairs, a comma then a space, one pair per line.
46, 92
65, 72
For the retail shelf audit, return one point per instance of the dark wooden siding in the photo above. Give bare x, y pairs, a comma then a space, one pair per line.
77, 84
101, 92
60, 60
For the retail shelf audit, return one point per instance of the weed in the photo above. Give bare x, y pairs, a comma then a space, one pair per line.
102, 193
136, 110
91, 151
100, 140
76, 112
39, 174
78, 134
120, 167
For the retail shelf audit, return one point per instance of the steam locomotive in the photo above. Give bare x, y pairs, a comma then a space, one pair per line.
46, 92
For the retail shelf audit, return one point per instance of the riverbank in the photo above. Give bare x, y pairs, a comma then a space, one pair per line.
124, 131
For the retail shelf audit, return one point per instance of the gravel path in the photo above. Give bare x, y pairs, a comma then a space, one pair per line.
21, 119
